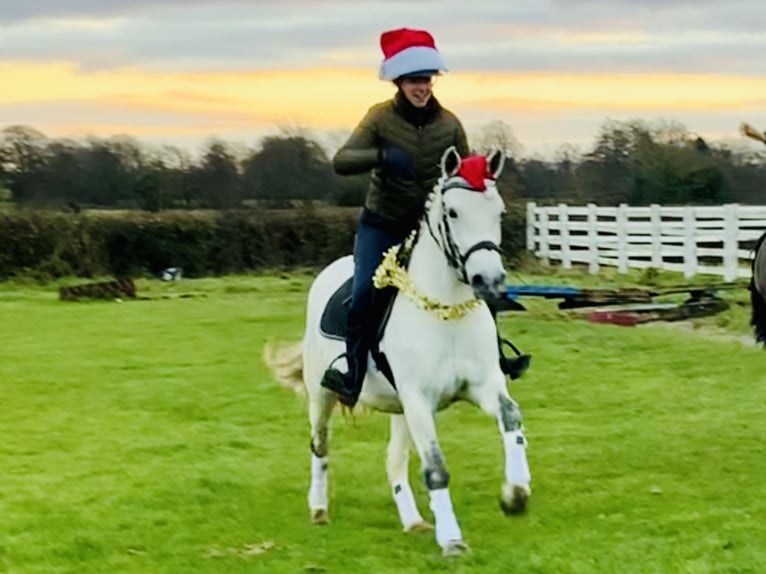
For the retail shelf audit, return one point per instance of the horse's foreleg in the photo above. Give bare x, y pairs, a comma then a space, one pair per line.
495, 401
397, 467
321, 404
420, 420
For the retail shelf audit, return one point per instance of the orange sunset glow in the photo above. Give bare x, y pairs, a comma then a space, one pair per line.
332, 99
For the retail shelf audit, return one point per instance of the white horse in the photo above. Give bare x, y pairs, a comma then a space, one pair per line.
440, 341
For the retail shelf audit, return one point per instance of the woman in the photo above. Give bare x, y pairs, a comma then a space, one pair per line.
402, 141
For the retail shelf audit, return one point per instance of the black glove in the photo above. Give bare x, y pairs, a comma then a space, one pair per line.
396, 161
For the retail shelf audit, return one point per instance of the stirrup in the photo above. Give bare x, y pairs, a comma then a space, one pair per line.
516, 366
337, 382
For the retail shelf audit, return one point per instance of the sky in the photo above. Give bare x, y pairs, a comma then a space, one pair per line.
183, 71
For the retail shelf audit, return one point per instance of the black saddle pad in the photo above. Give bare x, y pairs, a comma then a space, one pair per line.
334, 321
334, 317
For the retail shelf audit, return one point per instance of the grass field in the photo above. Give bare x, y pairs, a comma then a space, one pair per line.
147, 437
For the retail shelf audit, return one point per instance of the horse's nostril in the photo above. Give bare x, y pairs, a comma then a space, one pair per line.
477, 281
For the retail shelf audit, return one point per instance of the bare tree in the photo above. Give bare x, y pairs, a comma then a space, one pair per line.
498, 135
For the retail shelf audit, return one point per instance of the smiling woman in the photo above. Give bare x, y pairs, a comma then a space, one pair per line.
401, 141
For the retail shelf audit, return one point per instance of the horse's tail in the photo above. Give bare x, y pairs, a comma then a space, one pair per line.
285, 361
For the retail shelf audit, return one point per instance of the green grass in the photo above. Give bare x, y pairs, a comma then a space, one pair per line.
147, 437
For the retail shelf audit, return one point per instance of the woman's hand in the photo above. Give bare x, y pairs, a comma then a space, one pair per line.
396, 161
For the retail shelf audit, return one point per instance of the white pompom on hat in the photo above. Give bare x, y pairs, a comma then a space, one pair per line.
408, 52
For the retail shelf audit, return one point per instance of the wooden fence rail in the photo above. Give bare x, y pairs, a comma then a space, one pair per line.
714, 240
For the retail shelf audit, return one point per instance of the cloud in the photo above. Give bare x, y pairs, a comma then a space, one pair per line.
185, 68
197, 37
14, 11
493, 35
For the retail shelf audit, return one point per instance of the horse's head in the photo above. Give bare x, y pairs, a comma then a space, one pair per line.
464, 218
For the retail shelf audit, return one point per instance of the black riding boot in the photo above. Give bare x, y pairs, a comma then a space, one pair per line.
511, 367
348, 385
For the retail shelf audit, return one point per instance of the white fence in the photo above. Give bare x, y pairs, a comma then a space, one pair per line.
692, 240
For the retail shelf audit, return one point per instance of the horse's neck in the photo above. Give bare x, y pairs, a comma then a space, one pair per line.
432, 274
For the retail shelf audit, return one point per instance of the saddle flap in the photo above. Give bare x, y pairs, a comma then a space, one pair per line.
334, 321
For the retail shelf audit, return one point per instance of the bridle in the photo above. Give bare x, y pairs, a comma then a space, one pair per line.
392, 271
444, 240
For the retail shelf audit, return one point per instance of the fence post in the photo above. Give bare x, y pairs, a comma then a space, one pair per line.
690, 243
531, 227
730, 242
622, 238
592, 239
656, 223
566, 257
544, 245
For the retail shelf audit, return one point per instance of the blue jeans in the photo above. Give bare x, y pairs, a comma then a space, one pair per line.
371, 243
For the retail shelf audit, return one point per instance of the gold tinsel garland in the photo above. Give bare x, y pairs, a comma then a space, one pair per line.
390, 274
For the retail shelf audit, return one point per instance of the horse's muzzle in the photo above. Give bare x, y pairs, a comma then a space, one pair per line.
488, 287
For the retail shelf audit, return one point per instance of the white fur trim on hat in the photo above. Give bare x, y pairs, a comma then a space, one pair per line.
414, 59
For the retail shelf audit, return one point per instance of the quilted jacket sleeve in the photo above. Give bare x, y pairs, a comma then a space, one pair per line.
360, 152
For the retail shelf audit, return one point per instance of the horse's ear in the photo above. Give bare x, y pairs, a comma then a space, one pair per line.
495, 163
450, 161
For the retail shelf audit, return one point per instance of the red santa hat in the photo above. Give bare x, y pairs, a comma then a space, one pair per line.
409, 52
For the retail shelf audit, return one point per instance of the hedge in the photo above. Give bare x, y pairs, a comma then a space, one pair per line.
50, 245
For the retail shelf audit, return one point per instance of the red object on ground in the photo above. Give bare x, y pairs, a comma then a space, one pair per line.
613, 317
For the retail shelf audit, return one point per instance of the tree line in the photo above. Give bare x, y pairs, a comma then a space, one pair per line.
630, 161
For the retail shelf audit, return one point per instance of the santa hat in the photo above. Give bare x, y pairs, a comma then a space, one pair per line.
407, 52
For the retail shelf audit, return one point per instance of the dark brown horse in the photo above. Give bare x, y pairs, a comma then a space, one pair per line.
758, 291
758, 280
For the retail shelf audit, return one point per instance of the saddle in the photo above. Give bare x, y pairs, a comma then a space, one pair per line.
333, 323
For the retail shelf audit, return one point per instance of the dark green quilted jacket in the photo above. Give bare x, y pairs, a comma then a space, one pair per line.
392, 197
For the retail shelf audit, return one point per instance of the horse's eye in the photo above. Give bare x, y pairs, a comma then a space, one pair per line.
452, 213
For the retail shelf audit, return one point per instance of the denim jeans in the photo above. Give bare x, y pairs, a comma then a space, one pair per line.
372, 240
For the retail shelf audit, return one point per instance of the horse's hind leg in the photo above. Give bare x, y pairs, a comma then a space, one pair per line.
321, 403
496, 402
397, 467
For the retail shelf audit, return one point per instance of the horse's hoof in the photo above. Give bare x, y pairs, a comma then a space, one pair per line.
515, 498
319, 516
455, 548
419, 527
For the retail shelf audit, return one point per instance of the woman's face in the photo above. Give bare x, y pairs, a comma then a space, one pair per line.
417, 90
